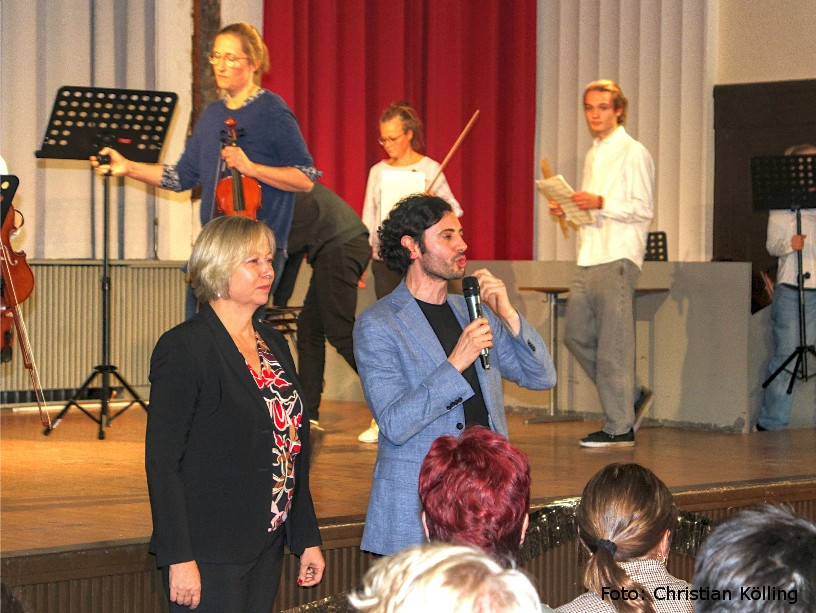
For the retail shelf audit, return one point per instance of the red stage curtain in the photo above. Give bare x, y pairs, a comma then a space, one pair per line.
340, 63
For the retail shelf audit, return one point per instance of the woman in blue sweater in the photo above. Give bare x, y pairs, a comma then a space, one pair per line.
270, 146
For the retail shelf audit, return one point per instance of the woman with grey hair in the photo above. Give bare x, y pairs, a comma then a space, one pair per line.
227, 444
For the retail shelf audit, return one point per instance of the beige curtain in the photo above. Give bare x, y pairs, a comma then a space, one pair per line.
659, 52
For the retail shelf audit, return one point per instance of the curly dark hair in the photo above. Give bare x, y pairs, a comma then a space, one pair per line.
411, 216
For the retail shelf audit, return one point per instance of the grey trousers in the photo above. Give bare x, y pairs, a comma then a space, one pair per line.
600, 333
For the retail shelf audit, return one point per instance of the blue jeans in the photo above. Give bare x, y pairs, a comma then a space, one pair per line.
777, 403
600, 333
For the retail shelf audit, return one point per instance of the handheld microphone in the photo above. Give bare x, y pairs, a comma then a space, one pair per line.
470, 288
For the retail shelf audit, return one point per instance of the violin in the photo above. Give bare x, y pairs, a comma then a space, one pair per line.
17, 285
237, 194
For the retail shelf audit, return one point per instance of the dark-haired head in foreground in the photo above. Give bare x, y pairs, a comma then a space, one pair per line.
769, 549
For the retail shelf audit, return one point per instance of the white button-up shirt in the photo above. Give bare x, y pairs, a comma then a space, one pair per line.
781, 228
621, 170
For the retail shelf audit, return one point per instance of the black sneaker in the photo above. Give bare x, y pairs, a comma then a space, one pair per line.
602, 439
642, 406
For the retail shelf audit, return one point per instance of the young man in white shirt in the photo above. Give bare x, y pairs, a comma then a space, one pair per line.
617, 189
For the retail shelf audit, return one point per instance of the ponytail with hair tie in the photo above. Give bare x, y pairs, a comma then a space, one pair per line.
605, 544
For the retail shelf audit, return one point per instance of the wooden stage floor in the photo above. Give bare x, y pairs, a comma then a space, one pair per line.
70, 488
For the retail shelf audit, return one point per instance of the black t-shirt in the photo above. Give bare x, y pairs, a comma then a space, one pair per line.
448, 330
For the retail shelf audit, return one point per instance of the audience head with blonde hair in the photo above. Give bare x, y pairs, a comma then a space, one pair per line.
443, 577
625, 513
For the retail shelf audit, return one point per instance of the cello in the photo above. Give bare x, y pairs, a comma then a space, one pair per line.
237, 194
17, 286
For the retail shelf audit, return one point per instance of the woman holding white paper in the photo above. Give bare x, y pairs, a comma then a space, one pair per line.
403, 138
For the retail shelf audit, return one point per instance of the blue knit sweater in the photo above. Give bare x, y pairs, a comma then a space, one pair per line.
268, 133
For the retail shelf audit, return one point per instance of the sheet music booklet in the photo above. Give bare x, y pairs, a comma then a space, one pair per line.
556, 188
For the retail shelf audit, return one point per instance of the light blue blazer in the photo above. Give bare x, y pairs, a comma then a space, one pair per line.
416, 396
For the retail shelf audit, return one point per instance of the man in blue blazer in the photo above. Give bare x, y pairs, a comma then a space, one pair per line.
416, 352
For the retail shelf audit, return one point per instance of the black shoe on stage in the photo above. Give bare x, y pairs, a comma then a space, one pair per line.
602, 439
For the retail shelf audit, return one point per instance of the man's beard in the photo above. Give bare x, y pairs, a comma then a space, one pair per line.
449, 273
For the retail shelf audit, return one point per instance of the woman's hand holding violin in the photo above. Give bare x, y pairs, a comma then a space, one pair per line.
237, 159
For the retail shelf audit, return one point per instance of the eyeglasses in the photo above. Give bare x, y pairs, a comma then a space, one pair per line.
229, 58
390, 139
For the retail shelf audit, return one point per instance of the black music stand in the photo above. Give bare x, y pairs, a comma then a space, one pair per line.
83, 121
788, 183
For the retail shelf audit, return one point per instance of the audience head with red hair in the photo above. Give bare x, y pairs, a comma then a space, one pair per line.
475, 490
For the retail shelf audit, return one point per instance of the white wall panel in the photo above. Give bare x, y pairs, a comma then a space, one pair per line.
125, 44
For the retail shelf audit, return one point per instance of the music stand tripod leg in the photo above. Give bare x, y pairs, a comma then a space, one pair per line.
72, 402
133, 394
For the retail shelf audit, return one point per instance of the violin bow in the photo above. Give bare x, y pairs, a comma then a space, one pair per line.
453, 150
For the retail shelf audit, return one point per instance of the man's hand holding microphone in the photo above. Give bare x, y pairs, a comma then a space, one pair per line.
477, 337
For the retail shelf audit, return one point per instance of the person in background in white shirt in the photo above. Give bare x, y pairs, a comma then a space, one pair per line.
617, 188
3, 167
402, 136
784, 242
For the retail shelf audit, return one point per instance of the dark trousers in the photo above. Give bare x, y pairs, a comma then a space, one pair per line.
238, 588
328, 312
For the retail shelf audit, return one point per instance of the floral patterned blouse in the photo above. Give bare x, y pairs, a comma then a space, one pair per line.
286, 410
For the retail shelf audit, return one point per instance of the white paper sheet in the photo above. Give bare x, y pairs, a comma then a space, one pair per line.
395, 185
556, 188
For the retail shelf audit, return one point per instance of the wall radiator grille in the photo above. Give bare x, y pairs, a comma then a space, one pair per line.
64, 320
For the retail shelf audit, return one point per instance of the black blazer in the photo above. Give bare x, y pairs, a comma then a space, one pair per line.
208, 449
